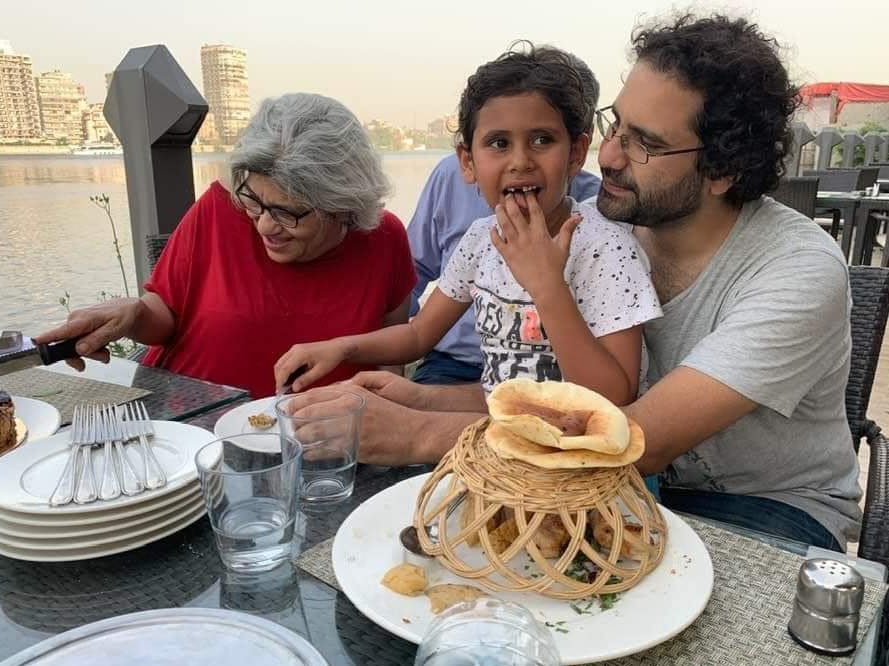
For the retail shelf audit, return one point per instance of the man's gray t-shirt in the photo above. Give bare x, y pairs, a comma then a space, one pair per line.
769, 317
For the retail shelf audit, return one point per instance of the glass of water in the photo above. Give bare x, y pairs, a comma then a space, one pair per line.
251, 489
324, 424
487, 632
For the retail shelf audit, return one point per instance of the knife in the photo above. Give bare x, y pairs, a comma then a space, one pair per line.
17, 353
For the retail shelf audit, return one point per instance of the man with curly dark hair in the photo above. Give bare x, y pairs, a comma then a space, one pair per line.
745, 418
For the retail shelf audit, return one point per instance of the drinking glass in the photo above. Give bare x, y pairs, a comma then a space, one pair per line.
324, 424
251, 489
487, 632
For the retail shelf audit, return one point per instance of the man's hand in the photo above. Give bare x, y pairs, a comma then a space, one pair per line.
450, 398
395, 435
392, 387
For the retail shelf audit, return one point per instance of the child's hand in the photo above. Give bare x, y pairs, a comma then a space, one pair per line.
536, 259
319, 358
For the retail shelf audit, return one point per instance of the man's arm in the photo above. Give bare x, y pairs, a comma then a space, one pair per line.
451, 398
422, 234
784, 330
682, 410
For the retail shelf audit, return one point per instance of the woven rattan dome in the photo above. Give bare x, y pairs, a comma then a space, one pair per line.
494, 484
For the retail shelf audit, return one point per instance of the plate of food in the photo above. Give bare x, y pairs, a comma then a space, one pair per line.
25, 419
254, 416
575, 538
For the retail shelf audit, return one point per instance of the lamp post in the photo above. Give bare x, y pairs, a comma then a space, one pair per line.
156, 112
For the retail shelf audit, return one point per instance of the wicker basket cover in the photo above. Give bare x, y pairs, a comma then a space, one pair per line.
493, 484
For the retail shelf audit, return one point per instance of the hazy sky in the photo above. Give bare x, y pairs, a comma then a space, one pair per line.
407, 61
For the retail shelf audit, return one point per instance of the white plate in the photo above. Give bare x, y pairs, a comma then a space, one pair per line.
41, 418
29, 473
122, 545
234, 422
659, 607
170, 637
39, 539
100, 517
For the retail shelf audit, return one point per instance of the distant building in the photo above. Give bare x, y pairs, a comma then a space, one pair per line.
224, 70
207, 134
442, 128
19, 112
62, 103
95, 128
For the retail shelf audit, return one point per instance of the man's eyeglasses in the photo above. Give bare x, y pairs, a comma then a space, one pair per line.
255, 208
636, 151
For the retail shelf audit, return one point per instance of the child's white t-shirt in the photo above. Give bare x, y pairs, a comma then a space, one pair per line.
607, 273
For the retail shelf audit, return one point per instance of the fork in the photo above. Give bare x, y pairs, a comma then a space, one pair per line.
63, 493
86, 492
130, 483
154, 473
109, 488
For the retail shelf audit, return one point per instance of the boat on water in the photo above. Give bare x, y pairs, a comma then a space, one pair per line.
97, 149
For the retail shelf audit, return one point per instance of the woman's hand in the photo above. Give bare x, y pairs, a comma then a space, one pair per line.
97, 325
536, 259
318, 358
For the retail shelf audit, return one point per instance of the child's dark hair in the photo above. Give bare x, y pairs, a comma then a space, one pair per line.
525, 69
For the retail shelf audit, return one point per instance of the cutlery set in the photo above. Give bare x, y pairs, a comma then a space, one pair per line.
110, 427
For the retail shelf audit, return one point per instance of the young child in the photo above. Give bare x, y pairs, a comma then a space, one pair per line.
559, 292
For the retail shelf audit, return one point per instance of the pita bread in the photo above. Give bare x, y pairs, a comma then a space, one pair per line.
606, 429
507, 444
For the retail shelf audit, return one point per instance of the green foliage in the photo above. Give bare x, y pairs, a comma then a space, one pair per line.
124, 347
870, 127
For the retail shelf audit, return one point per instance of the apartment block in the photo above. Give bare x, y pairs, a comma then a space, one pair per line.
62, 103
19, 112
95, 128
224, 70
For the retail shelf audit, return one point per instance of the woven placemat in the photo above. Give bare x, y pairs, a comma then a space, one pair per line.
64, 391
318, 561
745, 621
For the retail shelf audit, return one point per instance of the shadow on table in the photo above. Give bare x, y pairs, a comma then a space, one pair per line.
55, 597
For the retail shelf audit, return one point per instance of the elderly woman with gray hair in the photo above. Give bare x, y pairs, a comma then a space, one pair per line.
298, 249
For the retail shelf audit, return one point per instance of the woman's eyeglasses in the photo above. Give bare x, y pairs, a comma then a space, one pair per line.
255, 208
636, 151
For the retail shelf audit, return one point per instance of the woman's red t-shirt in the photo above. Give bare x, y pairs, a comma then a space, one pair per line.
237, 311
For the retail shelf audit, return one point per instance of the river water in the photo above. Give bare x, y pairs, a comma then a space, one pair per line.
53, 240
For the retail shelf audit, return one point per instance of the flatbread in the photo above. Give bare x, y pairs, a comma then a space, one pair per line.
507, 444
606, 431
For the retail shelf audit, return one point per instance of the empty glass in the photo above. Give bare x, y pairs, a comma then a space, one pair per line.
251, 490
487, 632
324, 423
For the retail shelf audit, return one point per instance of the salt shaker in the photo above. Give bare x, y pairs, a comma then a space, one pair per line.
826, 609
487, 631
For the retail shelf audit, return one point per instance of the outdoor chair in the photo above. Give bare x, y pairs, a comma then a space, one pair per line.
870, 307
835, 180
799, 193
154, 246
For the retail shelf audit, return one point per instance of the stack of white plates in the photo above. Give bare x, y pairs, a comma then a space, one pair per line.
30, 529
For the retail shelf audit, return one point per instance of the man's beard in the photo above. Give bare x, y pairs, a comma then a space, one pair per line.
653, 208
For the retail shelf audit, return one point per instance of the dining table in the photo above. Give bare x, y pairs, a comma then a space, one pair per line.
856, 238
744, 622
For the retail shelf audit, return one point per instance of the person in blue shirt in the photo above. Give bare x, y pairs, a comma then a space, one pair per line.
446, 209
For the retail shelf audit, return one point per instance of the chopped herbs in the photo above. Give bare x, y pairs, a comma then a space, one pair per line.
607, 601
